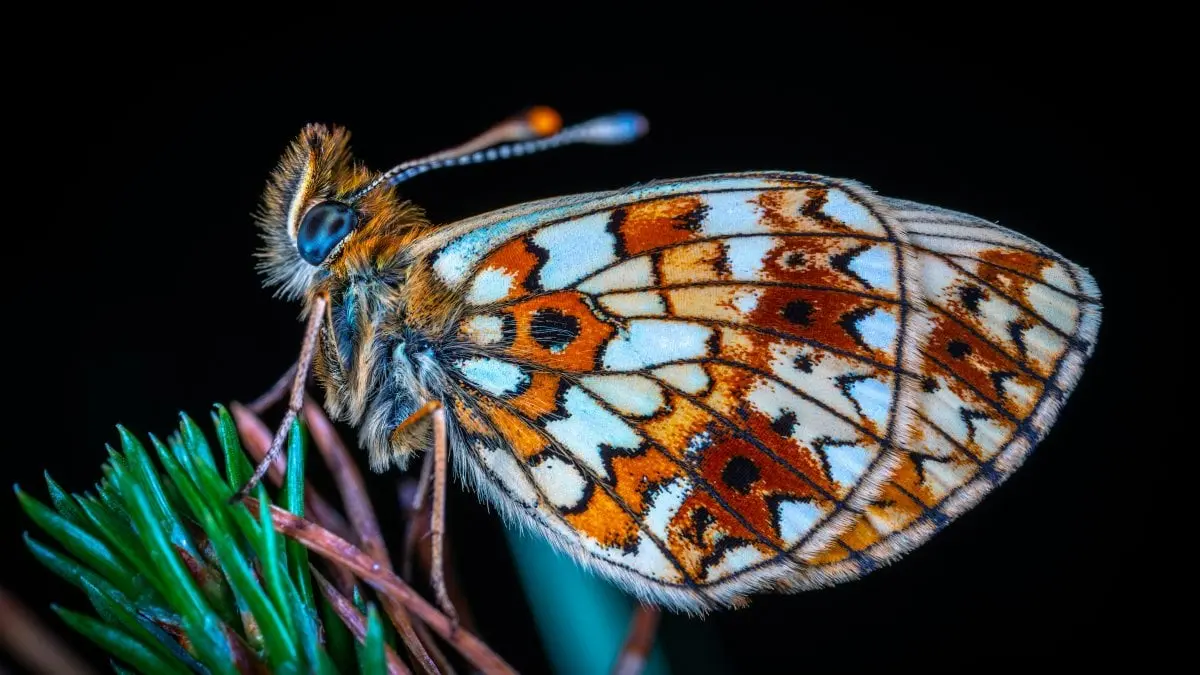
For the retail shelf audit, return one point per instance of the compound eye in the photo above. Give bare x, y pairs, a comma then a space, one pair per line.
323, 228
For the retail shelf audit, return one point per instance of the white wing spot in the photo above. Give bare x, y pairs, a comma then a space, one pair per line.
493, 375
731, 213
746, 300
877, 267
650, 342
587, 426
630, 394
746, 256
666, 502
878, 329
796, 518
846, 462
735, 560
840, 207
635, 273
561, 482
686, 377
492, 284
484, 329
873, 397
575, 249
643, 303
508, 473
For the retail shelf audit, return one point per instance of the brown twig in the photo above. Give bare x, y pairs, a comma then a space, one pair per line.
32, 644
362, 516
327, 544
639, 641
256, 438
275, 394
355, 621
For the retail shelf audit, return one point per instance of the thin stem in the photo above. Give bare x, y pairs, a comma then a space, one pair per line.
362, 515
418, 548
355, 621
638, 643
256, 438
328, 545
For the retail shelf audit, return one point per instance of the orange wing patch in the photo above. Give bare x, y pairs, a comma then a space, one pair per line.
558, 331
658, 223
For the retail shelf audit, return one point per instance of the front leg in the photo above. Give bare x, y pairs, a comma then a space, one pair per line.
295, 401
437, 527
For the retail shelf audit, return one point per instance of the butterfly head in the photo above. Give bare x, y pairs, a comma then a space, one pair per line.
325, 213
314, 210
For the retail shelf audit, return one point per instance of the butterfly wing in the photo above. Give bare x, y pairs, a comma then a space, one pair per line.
715, 386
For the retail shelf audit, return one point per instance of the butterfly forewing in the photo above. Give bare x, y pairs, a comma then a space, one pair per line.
710, 387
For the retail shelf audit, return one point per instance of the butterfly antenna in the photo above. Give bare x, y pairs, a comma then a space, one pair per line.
537, 129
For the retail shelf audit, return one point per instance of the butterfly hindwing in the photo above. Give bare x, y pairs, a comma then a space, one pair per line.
708, 387
1009, 325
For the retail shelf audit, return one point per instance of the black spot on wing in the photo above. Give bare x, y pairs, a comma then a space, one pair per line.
799, 312
533, 281
970, 296
740, 474
998, 380
785, 424
1016, 331
958, 349
695, 218
553, 329
701, 521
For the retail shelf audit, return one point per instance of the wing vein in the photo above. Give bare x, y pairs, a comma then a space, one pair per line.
565, 455
1019, 303
1029, 277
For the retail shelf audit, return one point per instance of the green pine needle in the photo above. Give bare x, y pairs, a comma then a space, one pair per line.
181, 581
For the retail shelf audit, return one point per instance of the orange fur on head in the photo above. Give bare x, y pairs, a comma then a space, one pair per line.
318, 166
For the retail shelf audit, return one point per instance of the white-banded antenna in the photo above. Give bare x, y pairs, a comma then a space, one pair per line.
532, 132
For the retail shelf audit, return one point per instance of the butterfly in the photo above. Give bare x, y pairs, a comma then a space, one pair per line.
701, 389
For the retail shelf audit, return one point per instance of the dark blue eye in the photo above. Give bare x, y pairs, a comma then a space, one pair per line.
323, 228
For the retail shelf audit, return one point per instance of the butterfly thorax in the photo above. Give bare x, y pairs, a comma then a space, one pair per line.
385, 333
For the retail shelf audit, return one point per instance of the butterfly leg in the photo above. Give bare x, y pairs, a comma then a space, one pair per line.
437, 527
295, 400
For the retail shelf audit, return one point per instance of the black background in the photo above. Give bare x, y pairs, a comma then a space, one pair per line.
136, 296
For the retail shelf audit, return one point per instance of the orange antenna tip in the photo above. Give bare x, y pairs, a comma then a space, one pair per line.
544, 120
